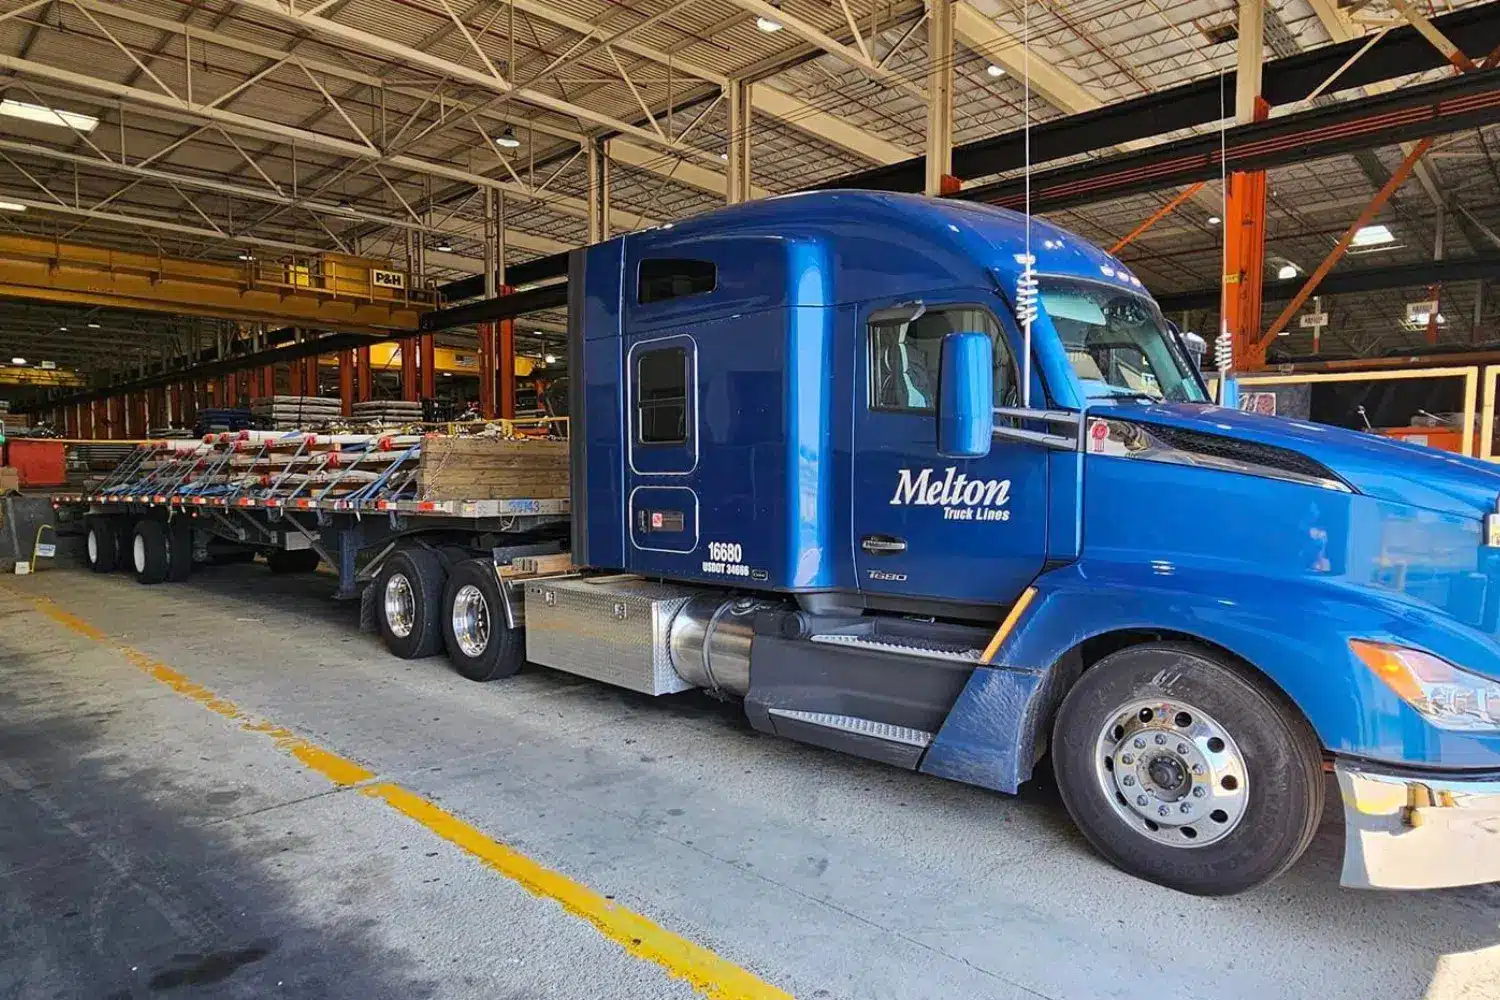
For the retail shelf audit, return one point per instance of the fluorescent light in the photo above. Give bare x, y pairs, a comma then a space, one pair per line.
767, 25
62, 329
18, 361
247, 255
93, 326
12, 206
551, 359
995, 71
723, 156
48, 116
1370, 236
1287, 272
444, 248
507, 139
1213, 220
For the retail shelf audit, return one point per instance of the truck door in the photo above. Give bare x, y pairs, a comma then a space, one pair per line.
925, 526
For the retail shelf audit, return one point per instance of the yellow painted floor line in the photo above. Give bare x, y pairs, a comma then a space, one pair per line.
704, 970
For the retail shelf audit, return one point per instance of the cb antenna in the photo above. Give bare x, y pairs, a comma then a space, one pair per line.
1026, 285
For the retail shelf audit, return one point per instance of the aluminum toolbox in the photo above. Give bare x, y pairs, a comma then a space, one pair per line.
612, 629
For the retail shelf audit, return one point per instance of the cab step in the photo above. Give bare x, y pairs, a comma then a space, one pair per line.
952, 653
891, 744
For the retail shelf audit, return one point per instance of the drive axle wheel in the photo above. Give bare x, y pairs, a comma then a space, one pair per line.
480, 644
1187, 769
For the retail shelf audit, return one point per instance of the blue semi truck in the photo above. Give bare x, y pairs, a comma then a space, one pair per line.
814, 469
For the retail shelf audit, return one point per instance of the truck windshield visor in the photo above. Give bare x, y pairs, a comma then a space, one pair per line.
1118, 342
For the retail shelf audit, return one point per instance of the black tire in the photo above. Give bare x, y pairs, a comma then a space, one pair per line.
292, 560
101, 547
124, 545
423, 576
487, 650
148, 551
179, 549
1272, 812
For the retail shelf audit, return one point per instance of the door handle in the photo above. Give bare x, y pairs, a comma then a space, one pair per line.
882, 545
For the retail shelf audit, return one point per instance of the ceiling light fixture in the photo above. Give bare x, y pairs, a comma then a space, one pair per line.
551, 359
93, 326
769, 25
507, 139
18, 361
1371, 236
62, 329
48, 116
12, 206
444, 247
247, 255
1213, 220
995, 71
1287, 272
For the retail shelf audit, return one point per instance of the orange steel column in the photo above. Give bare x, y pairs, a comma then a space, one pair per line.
70, 422
294, 386
505, 368
429, 366
86, 420
310, 376
362, 375
267, 381
346, 381
409, 387
115, 421
487, 370
1245, 260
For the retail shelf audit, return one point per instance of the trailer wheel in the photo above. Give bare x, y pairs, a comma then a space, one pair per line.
125, 544
101, 546
409, 602
148, 551
479, 643
179, 549
1184, 768
292, 560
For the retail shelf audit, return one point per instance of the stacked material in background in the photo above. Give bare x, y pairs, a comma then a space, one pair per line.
285, 413
387, 412
216, 419
492, 468
88, 464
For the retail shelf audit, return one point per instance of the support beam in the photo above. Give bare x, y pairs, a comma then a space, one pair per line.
986, 38
1245, 203
682, 171
1157, 216
737, 183
598, 207
427, 359
363, 377
410, 390
505, 367
940, 56
835, 131
346, 382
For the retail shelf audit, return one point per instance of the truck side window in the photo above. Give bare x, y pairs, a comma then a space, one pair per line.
661, 382
905, 358
663, 278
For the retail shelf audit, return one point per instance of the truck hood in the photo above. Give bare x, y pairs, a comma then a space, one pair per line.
1374, 465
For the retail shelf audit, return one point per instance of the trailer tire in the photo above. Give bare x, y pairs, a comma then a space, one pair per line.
409, 603
479, 643
101, 547
179, 549
293, 560
149, 555
1185, 768
125, 544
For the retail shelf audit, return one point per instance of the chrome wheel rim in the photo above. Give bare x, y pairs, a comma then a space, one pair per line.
400, 606
139, 551
1172, 772
471, 620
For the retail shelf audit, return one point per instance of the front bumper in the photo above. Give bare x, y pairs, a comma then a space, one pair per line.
1418, 831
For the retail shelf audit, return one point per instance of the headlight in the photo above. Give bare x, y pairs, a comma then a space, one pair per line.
1446, 696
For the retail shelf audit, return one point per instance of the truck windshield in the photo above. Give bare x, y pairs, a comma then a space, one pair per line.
1118, 343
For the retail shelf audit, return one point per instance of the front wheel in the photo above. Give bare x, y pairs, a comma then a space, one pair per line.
1186, 769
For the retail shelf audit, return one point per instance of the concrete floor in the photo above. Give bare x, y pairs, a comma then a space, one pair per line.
150, 847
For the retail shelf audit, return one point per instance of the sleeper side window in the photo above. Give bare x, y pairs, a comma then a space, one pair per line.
661, 379
663, 278
905, 358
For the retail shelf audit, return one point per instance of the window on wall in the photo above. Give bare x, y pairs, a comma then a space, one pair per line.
664, 278
906, 356
661, 384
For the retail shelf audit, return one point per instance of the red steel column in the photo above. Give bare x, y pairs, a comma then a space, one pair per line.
310, 375
409, 387
346, 381
487, 370
362, 375
505, 368
429, 366
116, 421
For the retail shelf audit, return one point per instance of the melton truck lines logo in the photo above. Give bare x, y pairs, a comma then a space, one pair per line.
962, 498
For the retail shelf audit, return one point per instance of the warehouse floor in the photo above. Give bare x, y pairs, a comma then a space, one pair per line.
217, 790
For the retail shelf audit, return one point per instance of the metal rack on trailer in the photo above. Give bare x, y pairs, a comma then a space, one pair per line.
352, 501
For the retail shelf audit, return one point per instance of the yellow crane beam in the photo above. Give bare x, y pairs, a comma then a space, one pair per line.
329, 291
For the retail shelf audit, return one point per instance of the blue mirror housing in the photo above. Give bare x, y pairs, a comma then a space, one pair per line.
966, 393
